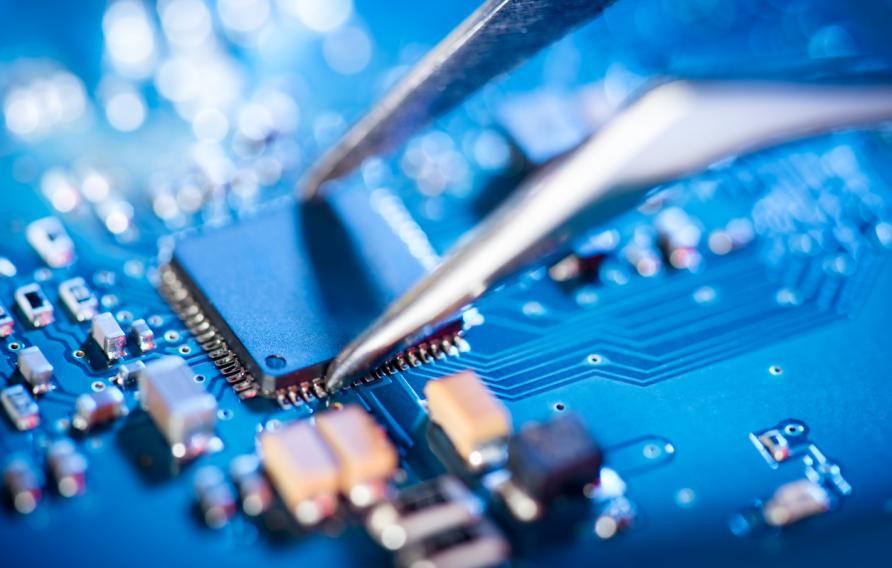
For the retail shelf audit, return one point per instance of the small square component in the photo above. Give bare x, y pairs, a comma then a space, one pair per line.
554, 458
795, 501
6, 323
182, 410
34, 305
472, 418
48, 238
24, 483
776, 444
35, 368
68, 466
422, 510
108, 335
302, 469
97, 408
20, 407
79, 300
142, 335
128, 373
364, 453
476, 546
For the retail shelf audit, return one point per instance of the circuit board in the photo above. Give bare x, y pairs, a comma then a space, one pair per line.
705, 381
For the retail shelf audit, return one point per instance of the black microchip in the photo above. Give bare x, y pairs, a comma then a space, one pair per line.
554, 458
290, 287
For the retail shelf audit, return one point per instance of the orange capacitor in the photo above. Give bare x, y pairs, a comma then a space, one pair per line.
301, 466
467, 412
361, 447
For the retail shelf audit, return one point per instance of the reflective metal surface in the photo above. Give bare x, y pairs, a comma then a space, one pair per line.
497, 37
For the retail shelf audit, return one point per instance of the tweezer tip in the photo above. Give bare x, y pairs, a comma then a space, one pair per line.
308, 186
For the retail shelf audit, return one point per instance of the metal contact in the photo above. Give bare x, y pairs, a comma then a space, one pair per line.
196, 321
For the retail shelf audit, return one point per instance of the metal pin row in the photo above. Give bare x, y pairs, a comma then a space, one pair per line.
207, 336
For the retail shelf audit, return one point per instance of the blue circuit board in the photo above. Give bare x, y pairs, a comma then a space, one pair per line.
760, 317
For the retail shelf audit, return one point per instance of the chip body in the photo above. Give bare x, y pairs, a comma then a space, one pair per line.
286, 290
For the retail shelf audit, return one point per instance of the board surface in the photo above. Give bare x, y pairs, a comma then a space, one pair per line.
777, 314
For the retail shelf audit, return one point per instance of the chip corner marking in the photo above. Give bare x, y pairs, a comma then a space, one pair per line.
188, 310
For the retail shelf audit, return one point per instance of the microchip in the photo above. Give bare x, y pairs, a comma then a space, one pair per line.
281, 293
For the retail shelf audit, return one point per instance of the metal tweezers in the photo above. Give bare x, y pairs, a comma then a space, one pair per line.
674, 129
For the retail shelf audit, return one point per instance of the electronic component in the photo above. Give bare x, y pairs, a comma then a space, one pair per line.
68, 466
302, 469
422, 510
34, 305
475, 421
472, 546
128, 373
35, 368
679, 237
617, 515
366, 458
776, 444
20, 407
215, 497
782, 441
96, 408
24, 483
108, 335
142, 335
282, 313
254, 490
48, 238
182, 410
79, 300
584, 264
547, 460
6, 323
795, 501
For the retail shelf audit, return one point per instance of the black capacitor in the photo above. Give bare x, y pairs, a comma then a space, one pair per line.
554, 458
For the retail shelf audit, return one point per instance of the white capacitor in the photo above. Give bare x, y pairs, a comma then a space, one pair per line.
143, 335
20, 407
48, 238
34, 305
36, 369
108, 335
80, 301
183, 411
